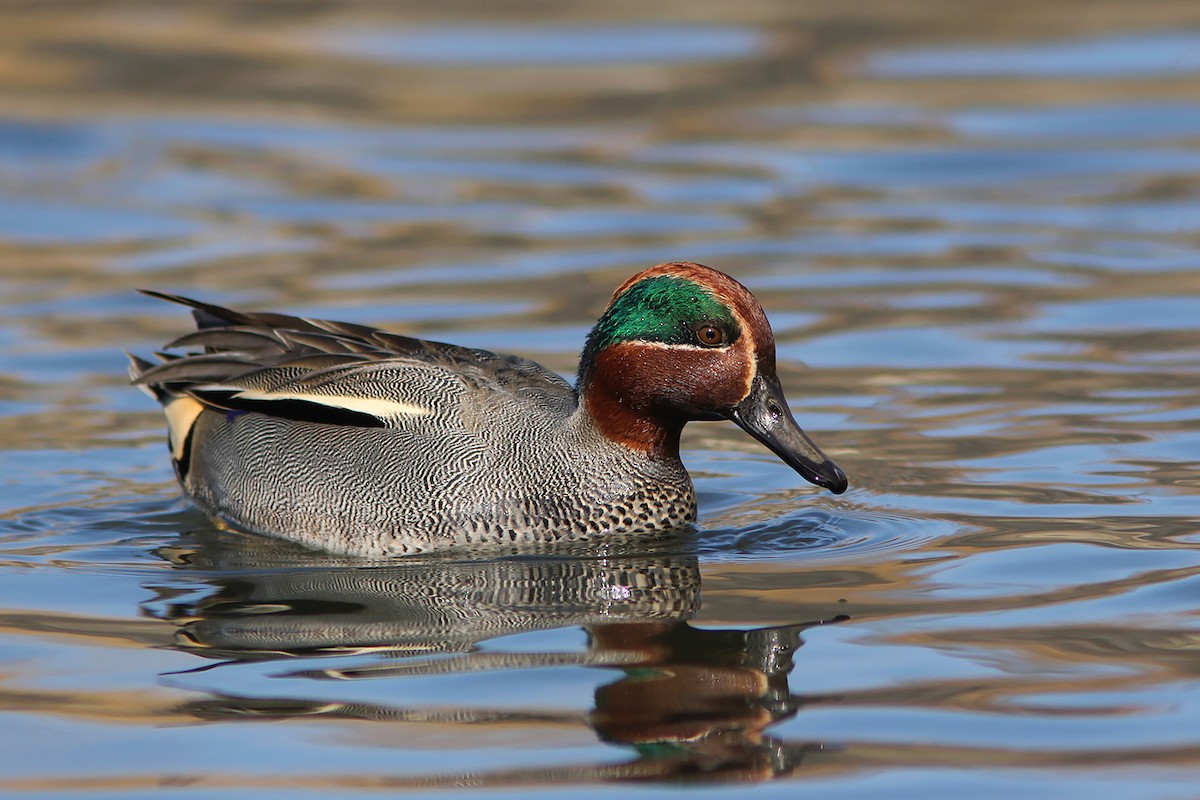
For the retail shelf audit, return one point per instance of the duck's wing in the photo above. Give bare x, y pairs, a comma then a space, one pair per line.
337, 372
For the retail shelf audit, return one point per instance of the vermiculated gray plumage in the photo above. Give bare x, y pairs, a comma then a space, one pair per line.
355, 440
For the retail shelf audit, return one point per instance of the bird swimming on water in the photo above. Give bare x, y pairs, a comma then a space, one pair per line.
354, 440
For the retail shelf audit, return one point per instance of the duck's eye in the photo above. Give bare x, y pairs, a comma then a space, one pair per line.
710, 336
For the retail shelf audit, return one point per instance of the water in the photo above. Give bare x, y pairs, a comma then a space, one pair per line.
975, 232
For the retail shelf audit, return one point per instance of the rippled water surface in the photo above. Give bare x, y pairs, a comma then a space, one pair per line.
975, 228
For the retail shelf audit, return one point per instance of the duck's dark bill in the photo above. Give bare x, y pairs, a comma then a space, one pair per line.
765, 415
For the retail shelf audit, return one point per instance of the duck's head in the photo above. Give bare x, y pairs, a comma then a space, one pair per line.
681, 342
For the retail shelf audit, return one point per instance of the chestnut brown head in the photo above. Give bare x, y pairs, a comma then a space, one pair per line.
681, 342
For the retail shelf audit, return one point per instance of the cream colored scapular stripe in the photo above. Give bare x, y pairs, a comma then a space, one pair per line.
376, 407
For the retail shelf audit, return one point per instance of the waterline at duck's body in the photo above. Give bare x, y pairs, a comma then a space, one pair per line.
360, 441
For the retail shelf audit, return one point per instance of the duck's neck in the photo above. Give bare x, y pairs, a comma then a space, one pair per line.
613, 397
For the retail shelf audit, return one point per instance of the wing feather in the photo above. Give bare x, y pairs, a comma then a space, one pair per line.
335, 372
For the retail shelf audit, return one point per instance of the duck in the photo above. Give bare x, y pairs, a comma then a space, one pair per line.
358, 441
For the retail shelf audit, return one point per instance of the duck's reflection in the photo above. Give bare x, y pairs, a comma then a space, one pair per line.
692, 703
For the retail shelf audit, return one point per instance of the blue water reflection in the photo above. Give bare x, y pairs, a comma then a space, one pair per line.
557, 45
973, 231
1126, 56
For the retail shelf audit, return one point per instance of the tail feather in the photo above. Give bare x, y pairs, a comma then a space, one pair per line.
195, 369
138, 367
207, 315
228, 338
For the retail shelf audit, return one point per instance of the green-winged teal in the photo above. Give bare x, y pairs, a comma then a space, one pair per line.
354, 440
